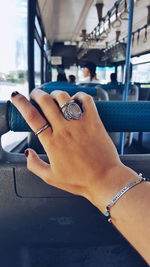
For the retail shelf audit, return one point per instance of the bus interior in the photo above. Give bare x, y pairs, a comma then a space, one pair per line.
42, 226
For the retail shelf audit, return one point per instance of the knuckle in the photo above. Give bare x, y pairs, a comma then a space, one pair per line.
43, 98
59, 94
88, 98
62, 95
79, 94
40, 96
34, 92
83, 96
55, 92
32, 115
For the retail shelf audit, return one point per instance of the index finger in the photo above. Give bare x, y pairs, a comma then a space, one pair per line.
32, 116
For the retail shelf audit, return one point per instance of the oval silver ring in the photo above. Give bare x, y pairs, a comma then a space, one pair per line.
71, 110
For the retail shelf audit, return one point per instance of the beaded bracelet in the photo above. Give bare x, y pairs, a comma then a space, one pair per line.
120, 194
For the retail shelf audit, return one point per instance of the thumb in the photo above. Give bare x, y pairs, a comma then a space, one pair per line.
38, 166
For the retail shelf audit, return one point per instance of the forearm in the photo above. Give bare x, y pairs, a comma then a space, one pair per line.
131, 213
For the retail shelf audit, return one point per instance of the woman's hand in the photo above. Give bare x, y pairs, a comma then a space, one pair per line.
83, 159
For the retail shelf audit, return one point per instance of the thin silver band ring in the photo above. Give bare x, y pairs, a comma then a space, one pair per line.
42, 129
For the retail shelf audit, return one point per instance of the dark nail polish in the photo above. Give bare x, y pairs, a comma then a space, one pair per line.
14, 94
26, 153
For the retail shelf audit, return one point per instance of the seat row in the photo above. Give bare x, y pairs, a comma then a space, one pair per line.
102, 92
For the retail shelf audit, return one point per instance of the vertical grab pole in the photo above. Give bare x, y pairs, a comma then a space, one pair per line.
128, 50
127, 64
42, 60
31, 27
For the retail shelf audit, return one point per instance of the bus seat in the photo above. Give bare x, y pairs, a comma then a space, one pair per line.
107, 87
71, 89
97, 92
133, 96
134, 93
88, 84
101, 94
144, 91
114, 115
118, 95
57, 84
119, 87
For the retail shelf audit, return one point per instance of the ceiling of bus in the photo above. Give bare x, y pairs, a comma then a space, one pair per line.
64, 20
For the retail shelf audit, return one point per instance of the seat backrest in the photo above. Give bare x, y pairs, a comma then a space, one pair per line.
114, 115
117, 95
88, 84
57, 85
101, 94
119, 87
97, 92
144, 91
134, 94
71, 89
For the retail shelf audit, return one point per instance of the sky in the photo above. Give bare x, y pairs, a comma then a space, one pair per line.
13, 19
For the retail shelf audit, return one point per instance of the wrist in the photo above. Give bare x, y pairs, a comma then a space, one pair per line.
106, 187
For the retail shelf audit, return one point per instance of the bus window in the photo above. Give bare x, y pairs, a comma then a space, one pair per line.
120, 74
103, 74
141, 69
38, 27
13, 57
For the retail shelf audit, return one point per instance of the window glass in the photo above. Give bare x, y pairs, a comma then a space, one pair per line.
44, 69
54, 74
37, 63
141, 59
141, 69
38, 27
13, 56
119, 74
103, 74
141, 73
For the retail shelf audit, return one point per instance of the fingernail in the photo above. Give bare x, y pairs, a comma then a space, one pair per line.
14, 94
26, 153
